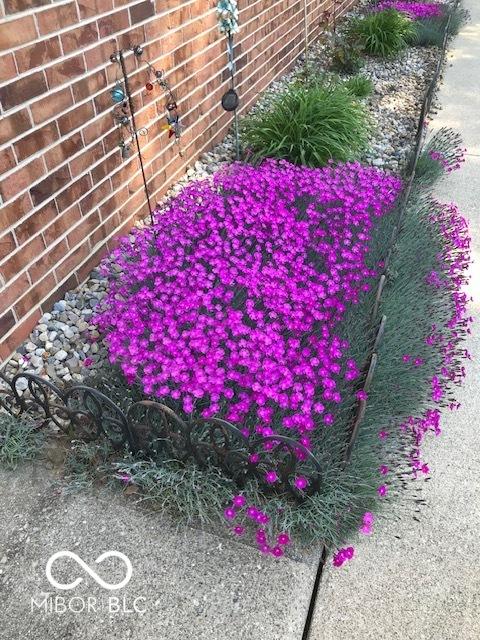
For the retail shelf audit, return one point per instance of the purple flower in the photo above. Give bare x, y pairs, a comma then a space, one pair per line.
239, 501
229, 513
382, 490
283, 538
301, 483
271, 477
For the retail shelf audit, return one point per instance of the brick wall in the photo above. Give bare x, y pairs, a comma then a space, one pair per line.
65, 192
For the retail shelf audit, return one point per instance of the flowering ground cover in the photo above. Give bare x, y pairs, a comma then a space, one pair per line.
251, 298
415, 10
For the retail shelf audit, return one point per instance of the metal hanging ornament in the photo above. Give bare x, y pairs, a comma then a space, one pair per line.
157, 77
227, 12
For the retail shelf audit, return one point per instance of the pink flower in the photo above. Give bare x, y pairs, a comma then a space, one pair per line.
382, 490
361, 395
383, 469
229, 513
283, 538
271, 477
239, 531
301, 483
239, 501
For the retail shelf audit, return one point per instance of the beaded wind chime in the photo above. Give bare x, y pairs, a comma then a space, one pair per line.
227, 12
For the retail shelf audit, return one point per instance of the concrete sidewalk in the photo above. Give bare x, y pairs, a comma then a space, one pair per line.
420, 580
191, 585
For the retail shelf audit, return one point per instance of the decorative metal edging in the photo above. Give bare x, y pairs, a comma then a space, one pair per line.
154, 430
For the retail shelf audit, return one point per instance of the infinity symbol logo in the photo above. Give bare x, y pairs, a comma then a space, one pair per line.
86, 568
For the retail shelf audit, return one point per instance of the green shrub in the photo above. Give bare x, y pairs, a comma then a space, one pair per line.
346, 58
359, 86
382, 34
20, 440
309, 125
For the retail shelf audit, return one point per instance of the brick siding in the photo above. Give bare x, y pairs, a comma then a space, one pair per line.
65, 192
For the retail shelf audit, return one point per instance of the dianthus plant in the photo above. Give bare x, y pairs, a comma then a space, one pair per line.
414, 10
230, 304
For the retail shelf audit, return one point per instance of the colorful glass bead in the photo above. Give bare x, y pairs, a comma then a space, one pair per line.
117, 93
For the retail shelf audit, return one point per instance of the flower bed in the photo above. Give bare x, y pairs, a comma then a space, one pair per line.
415, 10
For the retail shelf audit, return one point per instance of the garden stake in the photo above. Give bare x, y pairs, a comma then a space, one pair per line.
119, 58
227, 12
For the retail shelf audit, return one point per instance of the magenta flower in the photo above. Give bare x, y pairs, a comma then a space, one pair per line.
283, 538
301, 483
229, 513
239, 531
126, 478
88, 362
382, 490
361, 395
271, 477
384, 469
239, 501
414, 10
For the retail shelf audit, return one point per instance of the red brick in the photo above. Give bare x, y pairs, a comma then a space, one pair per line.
44, 264
67, 197
81, 231
65, 70
112, 23
14, 33
93, 261
72, 261
35, 55
63, 151
92, 199
75, 118
23, 256
13, 211
79, 38
97, 129
57, 18
108, 166
7, 321
51, 105
15, 6
90, 85
19, 334
20, 180
100, 54
35, 141
22, 90
52, 183
13, 291
34, 295
61, 224
82, 162
7, 160
128, 40
8, 70
36, 222
93, 8
7, 244
142, 11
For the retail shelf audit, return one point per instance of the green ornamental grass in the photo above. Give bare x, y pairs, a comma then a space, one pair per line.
359, 86
382, 34
309, 125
